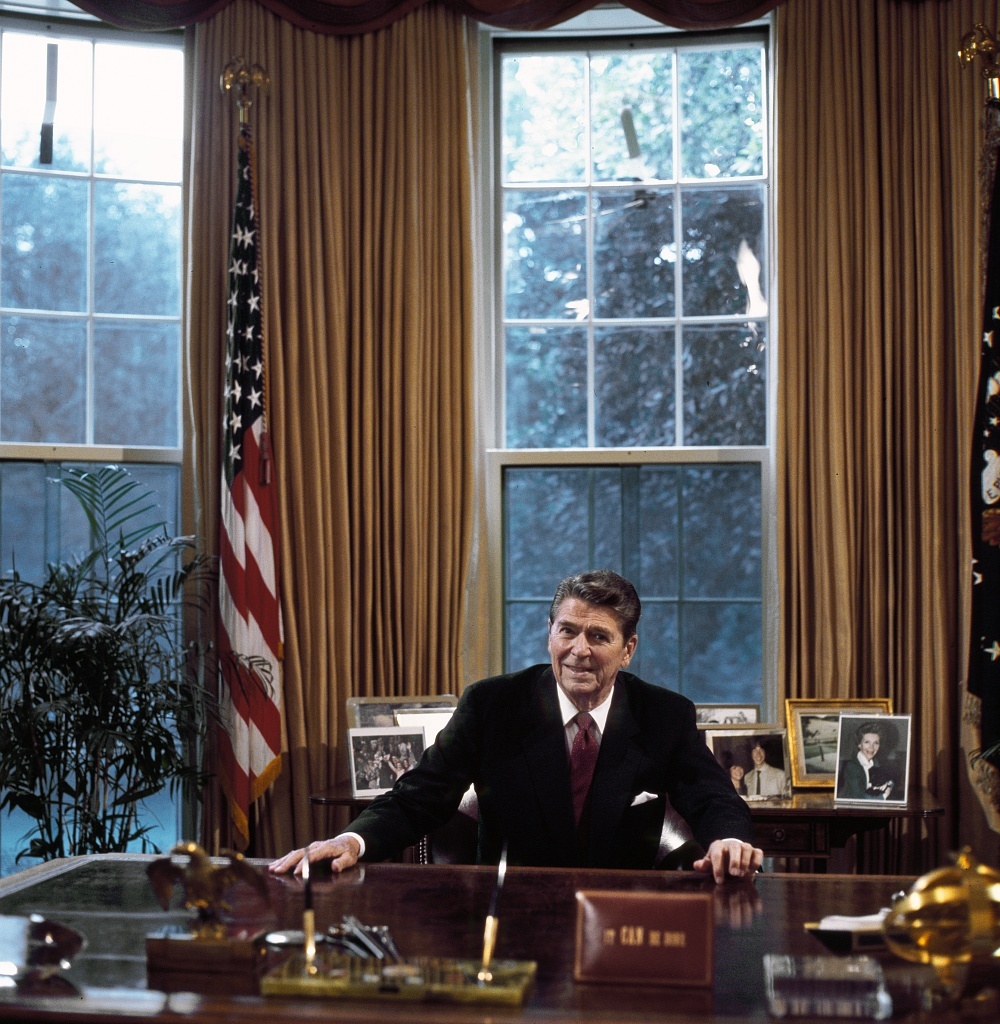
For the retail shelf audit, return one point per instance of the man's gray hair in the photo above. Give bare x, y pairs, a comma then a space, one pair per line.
605, 588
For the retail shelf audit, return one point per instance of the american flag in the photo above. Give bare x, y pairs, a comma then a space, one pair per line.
250, 628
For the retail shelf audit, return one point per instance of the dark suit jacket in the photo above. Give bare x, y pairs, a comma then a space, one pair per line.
507, 738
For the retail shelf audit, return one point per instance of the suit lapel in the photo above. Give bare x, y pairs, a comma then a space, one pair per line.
544, 747
611, 792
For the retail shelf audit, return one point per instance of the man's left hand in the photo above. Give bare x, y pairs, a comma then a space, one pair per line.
730, 857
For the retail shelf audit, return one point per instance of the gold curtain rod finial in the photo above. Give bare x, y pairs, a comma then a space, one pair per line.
981, 42
239, 77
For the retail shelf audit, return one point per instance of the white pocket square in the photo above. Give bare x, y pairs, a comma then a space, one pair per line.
643, 798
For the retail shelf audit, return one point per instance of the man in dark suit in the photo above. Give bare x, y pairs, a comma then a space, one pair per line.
572, 762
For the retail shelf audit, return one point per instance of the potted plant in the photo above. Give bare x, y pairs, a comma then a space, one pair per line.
101, 703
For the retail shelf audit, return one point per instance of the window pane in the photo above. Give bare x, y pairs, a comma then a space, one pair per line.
659, 524
544, 122
632, 114
22, 519
136, 375
722, 112
722, 653
43, 242
725, 385
546, 387
550, 526
721, 523
23, 88
137, 248
634, 387
43, 379
526, 641
138, 125
721, 235
545, 255
658, 651
634, 253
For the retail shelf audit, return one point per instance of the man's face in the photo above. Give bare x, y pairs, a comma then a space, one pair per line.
758, 755
587, 650
869, 745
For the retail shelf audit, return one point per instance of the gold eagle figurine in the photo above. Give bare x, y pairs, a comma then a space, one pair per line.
204, 884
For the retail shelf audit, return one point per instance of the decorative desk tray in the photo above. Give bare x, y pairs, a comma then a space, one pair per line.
842, 934
417, 979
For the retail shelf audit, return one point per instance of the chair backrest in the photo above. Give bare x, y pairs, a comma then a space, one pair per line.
456, 841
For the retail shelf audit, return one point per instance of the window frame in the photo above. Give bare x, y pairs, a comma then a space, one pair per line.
490, 329
87, 27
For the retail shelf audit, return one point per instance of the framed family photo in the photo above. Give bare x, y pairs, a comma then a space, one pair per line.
370, 712
726, 714
755, 757
813, 730
873, 759
379, 755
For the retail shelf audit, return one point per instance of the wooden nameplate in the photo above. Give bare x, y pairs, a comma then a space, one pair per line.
177, 961
414, 980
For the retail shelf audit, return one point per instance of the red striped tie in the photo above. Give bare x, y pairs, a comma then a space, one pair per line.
582, 759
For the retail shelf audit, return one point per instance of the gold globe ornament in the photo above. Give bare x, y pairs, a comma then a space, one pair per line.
949, 919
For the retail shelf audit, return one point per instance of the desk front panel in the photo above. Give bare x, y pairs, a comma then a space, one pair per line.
439, 910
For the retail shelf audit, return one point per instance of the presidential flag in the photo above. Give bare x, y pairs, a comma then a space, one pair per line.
250, 627
983, 685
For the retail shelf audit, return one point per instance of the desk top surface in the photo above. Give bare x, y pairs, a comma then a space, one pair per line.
436, 910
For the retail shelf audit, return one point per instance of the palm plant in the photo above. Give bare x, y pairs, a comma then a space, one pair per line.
101, 704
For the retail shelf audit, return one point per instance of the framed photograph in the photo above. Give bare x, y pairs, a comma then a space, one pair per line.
432, 721
813, 729
727, 714
873, 759
371, 712
380, 755
756, 758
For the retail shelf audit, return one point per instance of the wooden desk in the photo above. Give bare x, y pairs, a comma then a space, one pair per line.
435, 910
805, 827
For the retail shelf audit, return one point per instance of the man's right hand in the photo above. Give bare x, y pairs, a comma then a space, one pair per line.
342, 852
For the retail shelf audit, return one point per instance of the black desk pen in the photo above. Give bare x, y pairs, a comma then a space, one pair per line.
492, 920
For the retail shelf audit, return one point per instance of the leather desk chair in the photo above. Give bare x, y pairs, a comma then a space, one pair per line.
455, 842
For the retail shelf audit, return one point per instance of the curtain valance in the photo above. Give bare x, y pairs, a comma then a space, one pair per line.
345, 17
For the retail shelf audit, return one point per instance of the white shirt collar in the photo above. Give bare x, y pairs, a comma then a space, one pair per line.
864, 762
569, 710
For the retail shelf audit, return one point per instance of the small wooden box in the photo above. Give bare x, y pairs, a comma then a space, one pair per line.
180, 962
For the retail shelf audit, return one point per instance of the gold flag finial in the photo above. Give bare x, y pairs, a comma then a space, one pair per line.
981, 42
239, 76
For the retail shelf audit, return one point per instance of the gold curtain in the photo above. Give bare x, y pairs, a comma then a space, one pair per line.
880, 132
363, 187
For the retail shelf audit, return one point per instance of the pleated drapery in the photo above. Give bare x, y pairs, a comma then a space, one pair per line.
880, 133
364, 193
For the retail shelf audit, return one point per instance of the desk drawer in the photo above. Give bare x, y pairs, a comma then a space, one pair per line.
784, 838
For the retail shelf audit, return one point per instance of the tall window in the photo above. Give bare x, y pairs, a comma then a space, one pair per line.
632, 215
91, 152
